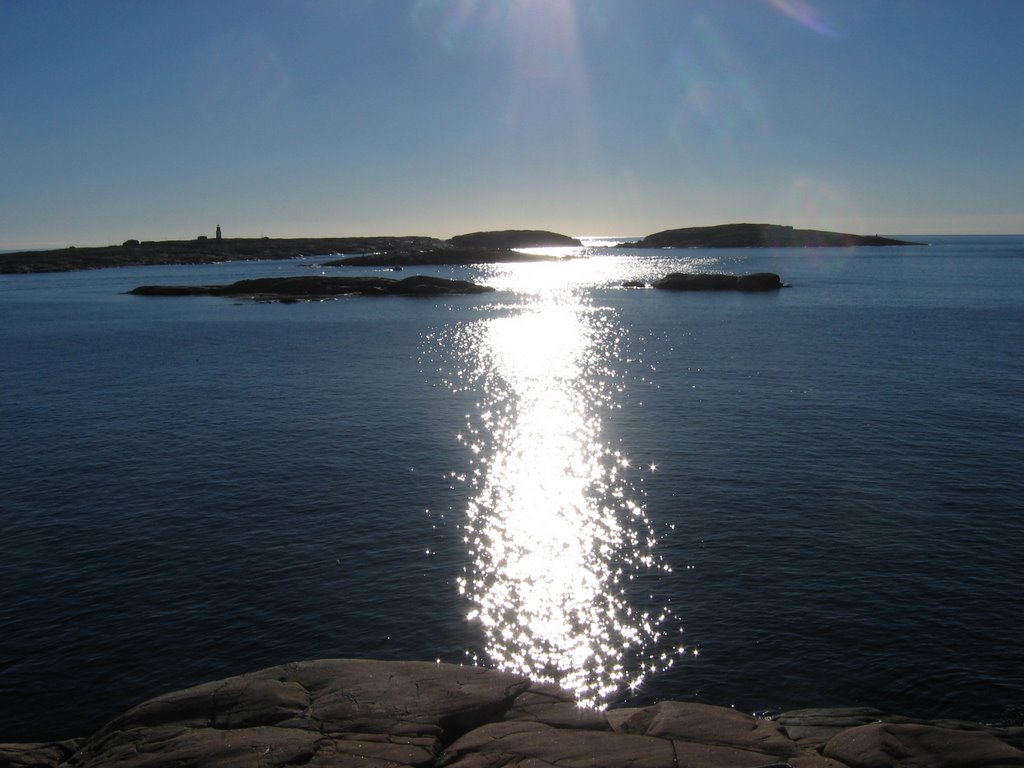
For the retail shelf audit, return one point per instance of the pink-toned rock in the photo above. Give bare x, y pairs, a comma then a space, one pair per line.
398, 713
553, 706
689, 754
813, 727
893, 745
620, 719
377, 714
704, 724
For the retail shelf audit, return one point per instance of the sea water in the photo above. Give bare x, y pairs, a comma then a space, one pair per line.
805, 498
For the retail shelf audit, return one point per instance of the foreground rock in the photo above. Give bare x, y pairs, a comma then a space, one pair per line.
757, 281
391, 714
311, 288
757, 236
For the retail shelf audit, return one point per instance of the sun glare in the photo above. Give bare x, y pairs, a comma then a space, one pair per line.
555, 529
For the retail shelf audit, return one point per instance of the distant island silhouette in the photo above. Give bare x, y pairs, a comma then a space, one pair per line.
757, 236
473, 248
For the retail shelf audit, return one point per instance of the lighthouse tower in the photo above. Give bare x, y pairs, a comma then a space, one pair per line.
218, 231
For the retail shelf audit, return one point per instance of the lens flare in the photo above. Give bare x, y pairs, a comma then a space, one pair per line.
802, 12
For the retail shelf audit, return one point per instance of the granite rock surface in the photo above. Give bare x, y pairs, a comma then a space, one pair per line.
389, 714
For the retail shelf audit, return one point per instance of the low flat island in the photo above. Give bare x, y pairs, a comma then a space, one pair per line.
316, 287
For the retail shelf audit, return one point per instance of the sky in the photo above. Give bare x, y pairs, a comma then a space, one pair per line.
160, 119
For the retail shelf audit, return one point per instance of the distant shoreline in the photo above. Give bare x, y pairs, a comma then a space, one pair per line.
473, 248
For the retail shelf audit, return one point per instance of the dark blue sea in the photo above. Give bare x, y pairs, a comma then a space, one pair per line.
807, 498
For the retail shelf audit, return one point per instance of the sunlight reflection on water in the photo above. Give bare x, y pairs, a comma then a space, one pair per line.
555, 530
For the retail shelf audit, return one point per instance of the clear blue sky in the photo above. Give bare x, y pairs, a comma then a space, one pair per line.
163, 118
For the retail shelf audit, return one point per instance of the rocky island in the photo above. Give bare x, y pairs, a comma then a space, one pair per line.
443, 255
515, 238
757, 236
316, 287
202, 250
475, 248
705, 281
395, 714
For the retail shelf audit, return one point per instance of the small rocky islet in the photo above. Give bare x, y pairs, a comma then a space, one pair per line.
318, 287
473, 248
395, 714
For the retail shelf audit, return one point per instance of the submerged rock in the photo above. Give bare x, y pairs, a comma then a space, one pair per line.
306, 288
389, 714
682, 281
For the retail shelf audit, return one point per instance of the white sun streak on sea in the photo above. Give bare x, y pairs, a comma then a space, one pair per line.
554, 529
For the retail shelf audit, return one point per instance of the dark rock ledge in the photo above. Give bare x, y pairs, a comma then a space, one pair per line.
315, 287
756, 282
348, 712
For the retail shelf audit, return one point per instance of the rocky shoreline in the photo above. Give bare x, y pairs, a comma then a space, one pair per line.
388, 714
